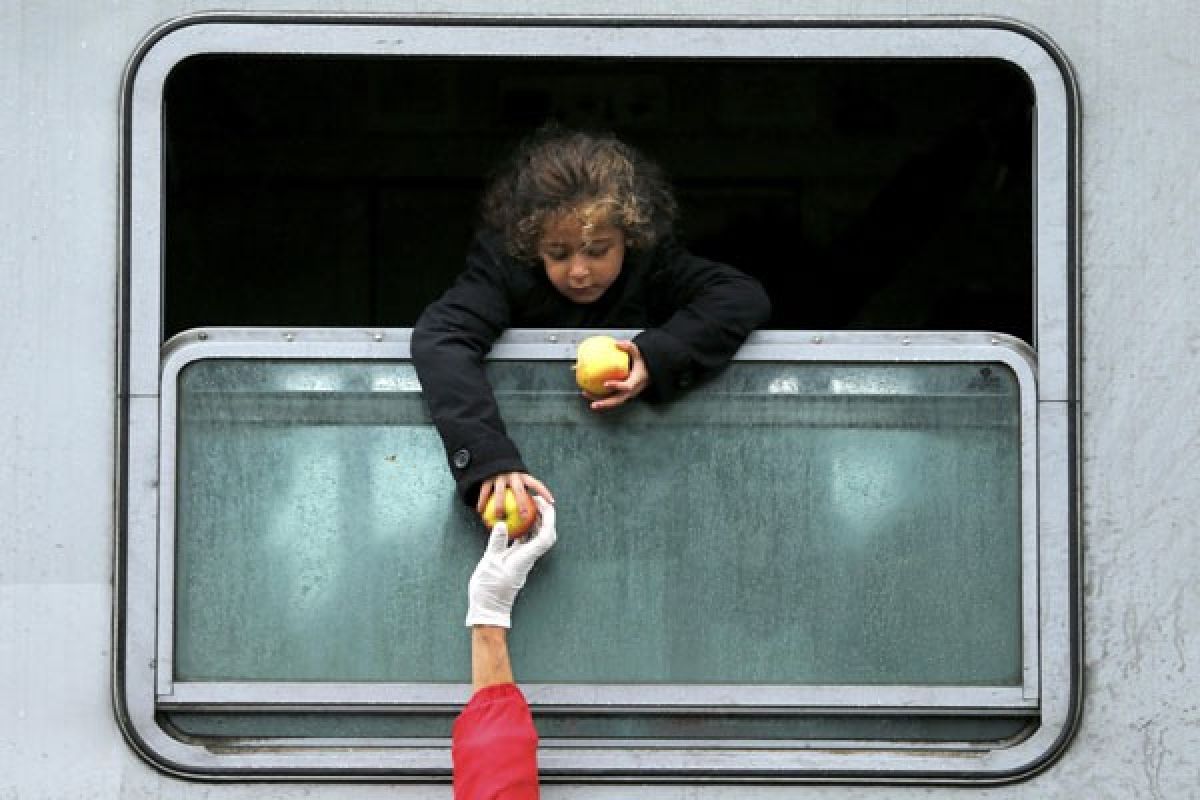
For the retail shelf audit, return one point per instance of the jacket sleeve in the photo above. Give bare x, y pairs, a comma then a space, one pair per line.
709, 310
449, 343
494, 747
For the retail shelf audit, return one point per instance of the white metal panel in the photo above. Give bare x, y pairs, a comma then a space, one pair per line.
60, 65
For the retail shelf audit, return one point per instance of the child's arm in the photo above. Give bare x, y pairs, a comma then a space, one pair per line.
708, 310
449, 344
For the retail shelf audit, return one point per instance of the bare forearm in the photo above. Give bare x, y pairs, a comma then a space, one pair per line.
490, 663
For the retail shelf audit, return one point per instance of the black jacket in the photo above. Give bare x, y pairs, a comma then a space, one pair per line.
695, 314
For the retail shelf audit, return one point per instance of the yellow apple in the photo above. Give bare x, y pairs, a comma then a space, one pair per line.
597, 360
517, 527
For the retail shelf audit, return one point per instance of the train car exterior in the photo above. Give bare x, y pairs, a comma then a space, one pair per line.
1105, 661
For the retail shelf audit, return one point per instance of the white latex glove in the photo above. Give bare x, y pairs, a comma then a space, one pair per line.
501, 572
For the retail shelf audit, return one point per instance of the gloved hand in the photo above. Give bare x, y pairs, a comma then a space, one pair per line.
501, 572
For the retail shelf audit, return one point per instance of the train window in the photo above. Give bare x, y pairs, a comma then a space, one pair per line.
892, 601
886, 525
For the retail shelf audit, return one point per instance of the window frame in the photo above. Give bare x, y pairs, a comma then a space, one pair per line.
1050, 626
344, 345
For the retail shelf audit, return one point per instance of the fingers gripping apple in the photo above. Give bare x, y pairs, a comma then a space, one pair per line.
517, 527
597, 360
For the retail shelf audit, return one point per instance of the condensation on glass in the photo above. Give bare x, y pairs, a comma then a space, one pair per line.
790, 523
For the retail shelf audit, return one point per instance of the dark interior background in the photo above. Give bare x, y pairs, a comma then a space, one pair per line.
305, 191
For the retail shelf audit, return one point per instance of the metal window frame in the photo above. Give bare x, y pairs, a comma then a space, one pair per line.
559, 345
1052, 627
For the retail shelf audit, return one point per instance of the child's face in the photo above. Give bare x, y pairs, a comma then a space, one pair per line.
581, 264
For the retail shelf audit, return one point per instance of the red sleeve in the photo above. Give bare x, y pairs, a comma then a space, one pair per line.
494, 747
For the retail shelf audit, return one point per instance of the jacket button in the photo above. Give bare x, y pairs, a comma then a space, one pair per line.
461, 458
685, 380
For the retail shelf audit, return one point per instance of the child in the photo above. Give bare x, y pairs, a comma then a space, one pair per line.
577, 234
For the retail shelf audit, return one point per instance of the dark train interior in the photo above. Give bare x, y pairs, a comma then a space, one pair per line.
870, 194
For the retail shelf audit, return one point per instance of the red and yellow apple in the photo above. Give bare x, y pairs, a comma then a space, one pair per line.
517, 527
597, 360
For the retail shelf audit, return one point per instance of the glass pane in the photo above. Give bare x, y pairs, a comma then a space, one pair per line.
787, 523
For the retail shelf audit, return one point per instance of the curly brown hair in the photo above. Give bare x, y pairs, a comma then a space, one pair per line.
596, 177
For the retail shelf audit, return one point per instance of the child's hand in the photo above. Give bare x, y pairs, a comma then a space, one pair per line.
631, 387
520, 483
